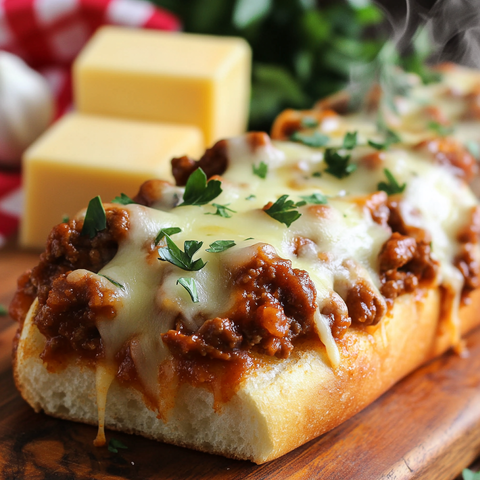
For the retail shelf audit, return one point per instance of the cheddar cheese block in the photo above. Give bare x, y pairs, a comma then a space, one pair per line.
86, 155
250, 314
183, 78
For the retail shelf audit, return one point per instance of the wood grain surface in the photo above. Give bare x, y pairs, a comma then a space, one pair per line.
425, 427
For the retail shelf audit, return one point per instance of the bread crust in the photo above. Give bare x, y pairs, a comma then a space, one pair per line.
277, 408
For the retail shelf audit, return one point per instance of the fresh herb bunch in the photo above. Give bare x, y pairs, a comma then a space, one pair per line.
302, 49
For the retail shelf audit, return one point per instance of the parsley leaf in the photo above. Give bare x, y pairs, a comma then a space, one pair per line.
65, 218
468, 474
350, 140
391, 187
222, 210
166, 231
220, 246
317, 174
123, 200
95, 219
316, 198
184, 260
338, 165
190, 286
114, 445
473, 148
198, 191
390, 138
3, 311
309, 122
113, 281
283, 211
261, 170
439, 129
314, 140
250, 197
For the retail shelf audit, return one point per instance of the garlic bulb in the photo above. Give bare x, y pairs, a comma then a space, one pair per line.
26, 107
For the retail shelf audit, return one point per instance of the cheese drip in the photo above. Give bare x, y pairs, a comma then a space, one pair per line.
104, 376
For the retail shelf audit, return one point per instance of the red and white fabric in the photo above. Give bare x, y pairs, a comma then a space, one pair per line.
48, 35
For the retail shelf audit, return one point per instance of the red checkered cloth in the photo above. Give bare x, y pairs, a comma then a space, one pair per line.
48, 34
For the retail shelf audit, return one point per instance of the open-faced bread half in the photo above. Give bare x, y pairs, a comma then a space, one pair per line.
251, 313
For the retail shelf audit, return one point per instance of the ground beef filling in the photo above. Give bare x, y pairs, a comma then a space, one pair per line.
405, 259
68, 318
68, 250
273, 305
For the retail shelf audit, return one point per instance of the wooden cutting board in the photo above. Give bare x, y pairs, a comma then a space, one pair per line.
426, 427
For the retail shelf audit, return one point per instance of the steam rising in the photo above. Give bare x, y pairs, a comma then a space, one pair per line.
454, 27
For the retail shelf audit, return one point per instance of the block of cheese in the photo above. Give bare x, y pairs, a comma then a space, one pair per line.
83, 156
163, 76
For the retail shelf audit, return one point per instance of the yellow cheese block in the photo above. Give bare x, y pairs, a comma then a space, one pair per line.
82, 156
163, 76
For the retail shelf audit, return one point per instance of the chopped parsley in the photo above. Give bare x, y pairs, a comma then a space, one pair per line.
123, 200
198, 191
316, 198
166, 231
220, 246
222, 210
251, 197
261, 170
468, 474
114, 445
474, 148
3, 310
391, 186
284, 211
390, 139
338, 165
439, 129
119, 285
317, 174
190, 286
315, 140
184, 260
95, 219
350, 140
309, 122
65, 218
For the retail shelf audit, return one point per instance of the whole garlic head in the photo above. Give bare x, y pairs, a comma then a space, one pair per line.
26, 107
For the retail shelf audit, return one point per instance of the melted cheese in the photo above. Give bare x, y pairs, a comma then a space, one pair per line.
343, 245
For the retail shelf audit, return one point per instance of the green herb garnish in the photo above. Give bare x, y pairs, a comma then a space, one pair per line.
95, 219
392, 186
283, 211
338, 165
119, 285
65, 218
190, 286
314, 140
220, 246
309, 122
473, 148
123, 200
3, 311
439, 129
250, 197
166, 231
261, 170
114, 445
316, 198
390, 139
198, 191
350, 140
184, 260
468, 474
222, 210
317, 174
